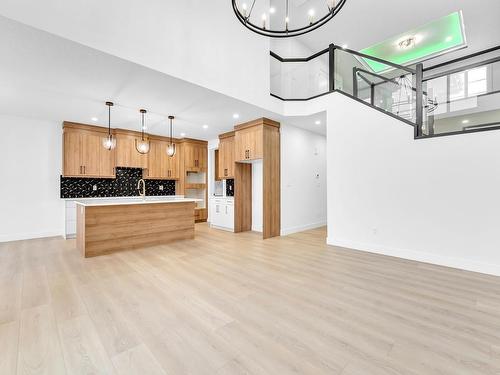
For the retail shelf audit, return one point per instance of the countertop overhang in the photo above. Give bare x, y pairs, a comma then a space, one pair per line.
129, 201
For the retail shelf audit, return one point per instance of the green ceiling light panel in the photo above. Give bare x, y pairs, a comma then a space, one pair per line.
432, 39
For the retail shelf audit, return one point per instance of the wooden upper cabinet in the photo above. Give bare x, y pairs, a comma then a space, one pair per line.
126, 153
160, 165
72, 164
195, 156
249, 142
83, 153
226, 155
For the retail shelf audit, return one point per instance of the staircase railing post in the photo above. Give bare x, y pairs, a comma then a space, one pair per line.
331, 66
355, 82
419, 92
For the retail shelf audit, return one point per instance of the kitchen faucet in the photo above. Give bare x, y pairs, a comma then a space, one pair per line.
142, 192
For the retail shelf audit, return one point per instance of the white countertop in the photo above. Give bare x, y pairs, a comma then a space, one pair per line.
133, 200
124, 198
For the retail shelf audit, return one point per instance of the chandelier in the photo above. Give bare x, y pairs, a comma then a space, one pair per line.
285, 18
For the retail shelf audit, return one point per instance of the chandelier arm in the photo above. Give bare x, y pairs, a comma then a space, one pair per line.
251, 9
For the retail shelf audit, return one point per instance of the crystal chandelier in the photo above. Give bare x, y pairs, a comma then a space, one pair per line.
285, 18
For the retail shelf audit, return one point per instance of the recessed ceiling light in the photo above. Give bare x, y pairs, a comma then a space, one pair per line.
317, 122
272, 10
448, 39
235, 116
465, 121
183, 134
205, 126
95, 119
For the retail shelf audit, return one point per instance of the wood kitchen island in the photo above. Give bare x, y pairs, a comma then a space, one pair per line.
105, 227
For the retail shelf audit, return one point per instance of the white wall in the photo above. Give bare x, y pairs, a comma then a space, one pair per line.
30, 168
433, 200
198, 41
303, 179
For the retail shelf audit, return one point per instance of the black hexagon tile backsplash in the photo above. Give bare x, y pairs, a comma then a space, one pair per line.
124, 185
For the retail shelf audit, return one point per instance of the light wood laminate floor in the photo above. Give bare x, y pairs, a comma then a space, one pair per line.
235, 304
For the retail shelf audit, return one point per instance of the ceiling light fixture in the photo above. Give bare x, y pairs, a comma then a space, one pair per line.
317, 122
236, 116
205, 126
142, 145
171, 147
281, 29
407, 43
183, 135
109, 142
95, 119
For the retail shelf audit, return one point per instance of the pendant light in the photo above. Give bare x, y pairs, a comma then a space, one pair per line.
109, 142
171, 146
142, 146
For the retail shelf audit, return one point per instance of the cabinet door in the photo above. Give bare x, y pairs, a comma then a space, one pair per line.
228, 150
229, 215
240, 145
107, 162
154, 160
91, 153
249, 143
173, 167
201, 153
189, 156
72, 164
126, 153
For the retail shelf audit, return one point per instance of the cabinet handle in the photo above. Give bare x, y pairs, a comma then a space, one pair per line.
84, 170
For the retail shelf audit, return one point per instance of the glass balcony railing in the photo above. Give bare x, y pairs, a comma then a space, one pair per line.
388, 87
465, 99
448, 98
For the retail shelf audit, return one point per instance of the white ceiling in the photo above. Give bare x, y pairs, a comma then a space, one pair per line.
48, 77
362, 23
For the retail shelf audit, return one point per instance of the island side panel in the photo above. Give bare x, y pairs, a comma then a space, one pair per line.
120, 227
80, 228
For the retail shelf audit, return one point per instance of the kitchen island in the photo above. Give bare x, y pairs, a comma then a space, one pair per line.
105, 226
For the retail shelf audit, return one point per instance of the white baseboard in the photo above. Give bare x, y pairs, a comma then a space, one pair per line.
28, 236
419, 256
302, 228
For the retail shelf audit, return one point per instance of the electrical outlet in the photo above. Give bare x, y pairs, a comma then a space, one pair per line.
94, 187
160, 187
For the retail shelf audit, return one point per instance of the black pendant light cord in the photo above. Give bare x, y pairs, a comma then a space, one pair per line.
142, 127
109, 104
171, 119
